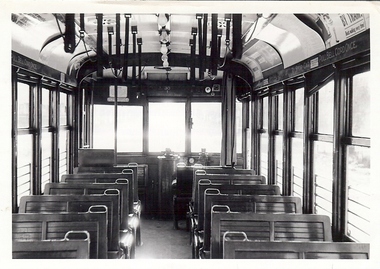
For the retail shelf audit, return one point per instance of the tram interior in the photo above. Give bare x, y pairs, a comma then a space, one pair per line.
156, 95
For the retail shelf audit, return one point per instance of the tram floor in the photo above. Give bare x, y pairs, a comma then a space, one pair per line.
161, 241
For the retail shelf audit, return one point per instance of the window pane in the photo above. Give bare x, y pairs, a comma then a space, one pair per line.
265, 113
298, 116
63, 109
278, 141
264, 155
326, 109
297, 163
167, 126
361, 105
358, 182
46, 157
206, 130
130, 129
104, 133
63, 154
323, 159
45, 107
23, 95
24, 164
239, 126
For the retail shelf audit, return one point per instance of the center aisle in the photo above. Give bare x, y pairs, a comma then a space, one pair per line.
161, 241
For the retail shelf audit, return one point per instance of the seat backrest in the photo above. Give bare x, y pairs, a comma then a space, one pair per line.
95, 188
262, 204
99, 173
268, 227
54, 226
226, 179
243, 248
78, 203
103, 178
51, 249
257, 189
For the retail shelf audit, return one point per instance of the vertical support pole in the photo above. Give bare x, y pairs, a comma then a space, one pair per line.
308, 179
37, 150
14, 139
286, 146
228, 152
271, 143
255, 136
56, 124
339, 187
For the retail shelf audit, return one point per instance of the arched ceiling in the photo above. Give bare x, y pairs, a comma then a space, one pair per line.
270, 42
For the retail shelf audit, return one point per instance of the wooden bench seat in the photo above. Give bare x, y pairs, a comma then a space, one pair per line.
52, 249
267, 227
118, 241
128, 174
239, 203
54, 226
223, 179
95, 188
238, 246
245, 186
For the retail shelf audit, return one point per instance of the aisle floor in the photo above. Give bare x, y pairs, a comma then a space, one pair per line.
161, 241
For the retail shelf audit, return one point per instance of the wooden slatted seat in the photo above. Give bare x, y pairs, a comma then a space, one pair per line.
95, 188
267, 227
54, 226
238, 246
52, 249
243, 203
129, 174
239, 203
203, 180
227, 179
238, 178
81, 203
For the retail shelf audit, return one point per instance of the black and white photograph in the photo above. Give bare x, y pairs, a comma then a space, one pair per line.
190, 134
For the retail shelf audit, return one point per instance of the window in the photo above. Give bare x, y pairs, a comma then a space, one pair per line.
24, 141
239, 127
358, 162
167, 126
326, 109
206, 131
130, 129
278, 138
63, 112
63, 152
323, 151
23, 95
104, 130
24, 165
323, 164
297, 143
264, 138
